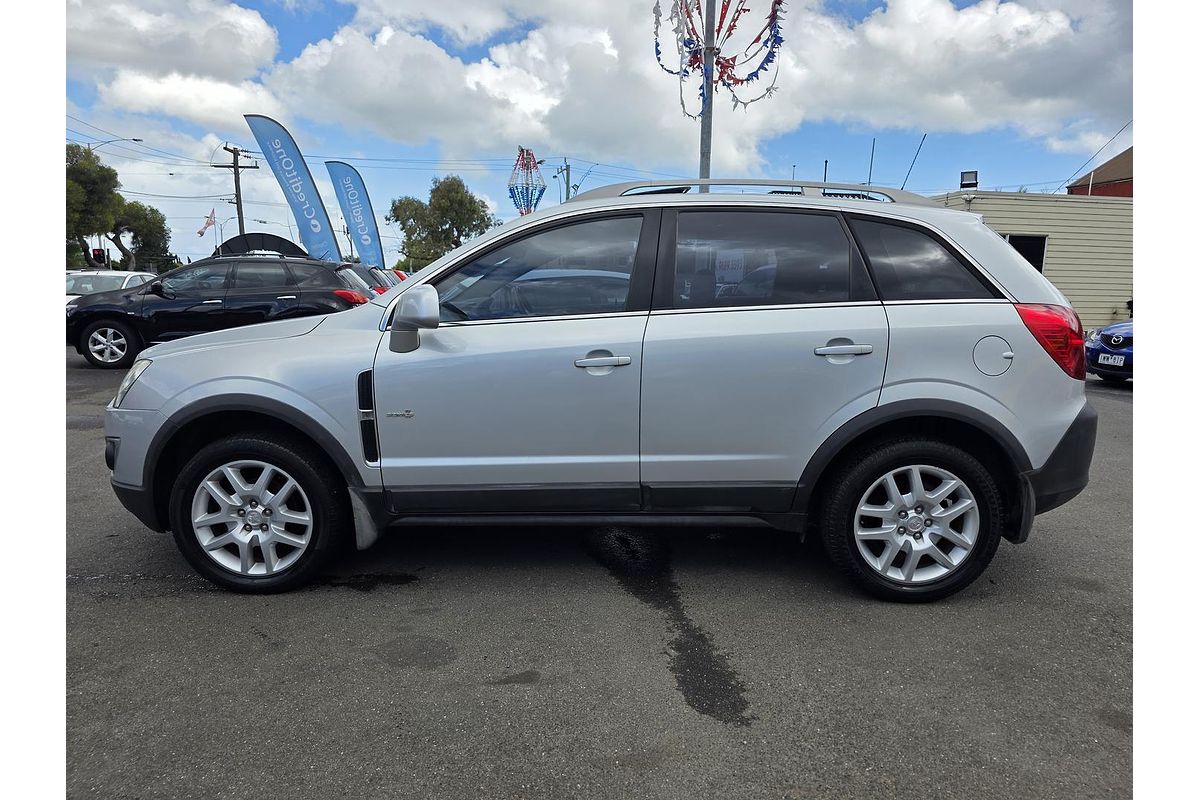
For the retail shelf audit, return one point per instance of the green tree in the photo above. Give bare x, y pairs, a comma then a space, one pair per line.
150, 238
431, 229
92, 199
95, 208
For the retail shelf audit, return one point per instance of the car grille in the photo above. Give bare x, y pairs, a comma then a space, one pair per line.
1125, 341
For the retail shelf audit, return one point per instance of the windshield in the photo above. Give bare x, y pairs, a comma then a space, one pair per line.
87, 284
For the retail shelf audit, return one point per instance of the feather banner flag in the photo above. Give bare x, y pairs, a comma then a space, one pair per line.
284, 157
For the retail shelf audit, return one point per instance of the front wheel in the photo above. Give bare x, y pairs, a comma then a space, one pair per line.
913, 520
109, 344
257, 516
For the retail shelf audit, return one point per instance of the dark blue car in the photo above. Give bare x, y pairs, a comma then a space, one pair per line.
1110, 352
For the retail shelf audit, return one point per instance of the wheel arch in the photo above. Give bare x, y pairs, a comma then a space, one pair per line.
957, 424
207, 420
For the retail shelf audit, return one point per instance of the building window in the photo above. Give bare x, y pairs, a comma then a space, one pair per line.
1031, 248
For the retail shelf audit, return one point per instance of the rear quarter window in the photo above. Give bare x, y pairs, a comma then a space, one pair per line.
911, 265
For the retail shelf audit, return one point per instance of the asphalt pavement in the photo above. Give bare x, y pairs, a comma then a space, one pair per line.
607, 663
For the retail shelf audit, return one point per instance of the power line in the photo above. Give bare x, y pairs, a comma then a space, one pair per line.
1098, 152
146, 146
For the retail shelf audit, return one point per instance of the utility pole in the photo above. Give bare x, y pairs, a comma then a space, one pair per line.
237, 168
565, 171
706, 120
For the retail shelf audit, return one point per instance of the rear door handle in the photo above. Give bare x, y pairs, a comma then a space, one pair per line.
286, 297
604, 361
208, 302
844, 350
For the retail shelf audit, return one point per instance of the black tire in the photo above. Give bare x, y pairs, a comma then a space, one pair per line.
132, 340
1113, 381
326, 493
857, 474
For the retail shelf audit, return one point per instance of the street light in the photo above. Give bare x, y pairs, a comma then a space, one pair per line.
110, 141
291, 235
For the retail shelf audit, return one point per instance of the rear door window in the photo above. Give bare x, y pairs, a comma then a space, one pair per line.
311, 276
263, 275
764, 258
911, 265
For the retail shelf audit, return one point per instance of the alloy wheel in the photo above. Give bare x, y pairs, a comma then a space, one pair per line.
916, 524
108, 345
252, 518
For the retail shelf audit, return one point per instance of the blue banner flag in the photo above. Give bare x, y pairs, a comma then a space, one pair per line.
356, 208
280, 151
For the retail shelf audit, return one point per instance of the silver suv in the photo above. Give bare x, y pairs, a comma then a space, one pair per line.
856, 363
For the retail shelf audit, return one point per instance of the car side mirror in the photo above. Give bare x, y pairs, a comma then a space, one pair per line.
418, 308
156, 287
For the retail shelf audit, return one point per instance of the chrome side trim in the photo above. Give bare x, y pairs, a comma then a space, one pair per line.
785, 307
560, 318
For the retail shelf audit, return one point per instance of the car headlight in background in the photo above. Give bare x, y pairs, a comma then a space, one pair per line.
1093, 334
130, 378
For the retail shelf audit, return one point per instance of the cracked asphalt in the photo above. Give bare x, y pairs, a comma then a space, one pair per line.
608, 663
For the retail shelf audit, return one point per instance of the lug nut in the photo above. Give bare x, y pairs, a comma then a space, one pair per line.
903, 515
254, 504
241, 512
919, 509
262, 527
266, 512
918, 536
928, 522
246, 527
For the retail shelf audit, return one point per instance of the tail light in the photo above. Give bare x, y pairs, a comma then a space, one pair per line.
401, 275
1060, 332
380, 289
352, 297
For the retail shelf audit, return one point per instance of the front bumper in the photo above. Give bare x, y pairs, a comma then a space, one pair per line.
140, 503
1092, 352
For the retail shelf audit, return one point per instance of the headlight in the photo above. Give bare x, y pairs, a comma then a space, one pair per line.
1093, 335
130, 378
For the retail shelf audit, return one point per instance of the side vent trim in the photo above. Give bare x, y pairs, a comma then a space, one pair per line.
366, 417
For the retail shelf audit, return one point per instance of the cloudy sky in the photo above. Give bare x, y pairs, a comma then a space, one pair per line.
407, 90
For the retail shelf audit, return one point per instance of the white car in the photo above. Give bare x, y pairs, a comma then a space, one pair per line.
83, 282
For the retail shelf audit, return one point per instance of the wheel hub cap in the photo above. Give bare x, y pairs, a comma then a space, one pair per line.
252, 518
916, 524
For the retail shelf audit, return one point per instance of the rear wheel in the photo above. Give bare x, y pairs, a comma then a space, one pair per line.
257, 516
109, 344
913, 520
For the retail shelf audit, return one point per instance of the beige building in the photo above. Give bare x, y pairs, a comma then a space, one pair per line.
1084, 245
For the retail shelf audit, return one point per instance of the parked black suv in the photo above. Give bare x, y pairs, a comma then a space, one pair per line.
109, 329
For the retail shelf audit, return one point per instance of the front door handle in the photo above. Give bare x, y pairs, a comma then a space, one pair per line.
844, 350
208, 302
286, 297
603, 361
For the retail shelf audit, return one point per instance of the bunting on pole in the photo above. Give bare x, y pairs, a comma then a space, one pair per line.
734, 71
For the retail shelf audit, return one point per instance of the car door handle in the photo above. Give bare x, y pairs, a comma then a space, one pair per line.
286, 297
208, 302
844, 350
604, 361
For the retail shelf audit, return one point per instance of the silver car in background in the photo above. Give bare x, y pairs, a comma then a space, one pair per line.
884, 373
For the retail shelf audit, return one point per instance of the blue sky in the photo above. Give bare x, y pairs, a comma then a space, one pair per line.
1022, 92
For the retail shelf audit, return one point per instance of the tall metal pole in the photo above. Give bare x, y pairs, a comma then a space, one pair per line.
706, 119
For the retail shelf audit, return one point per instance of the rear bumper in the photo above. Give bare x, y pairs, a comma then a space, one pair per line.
1065, 473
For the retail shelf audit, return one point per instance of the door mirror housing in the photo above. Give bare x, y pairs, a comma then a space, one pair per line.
156, 287
418, 308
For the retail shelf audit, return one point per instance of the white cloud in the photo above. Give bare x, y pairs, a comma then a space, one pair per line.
583, 81
206, 37
203, 100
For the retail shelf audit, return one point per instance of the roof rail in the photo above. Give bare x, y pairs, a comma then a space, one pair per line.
845, 191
